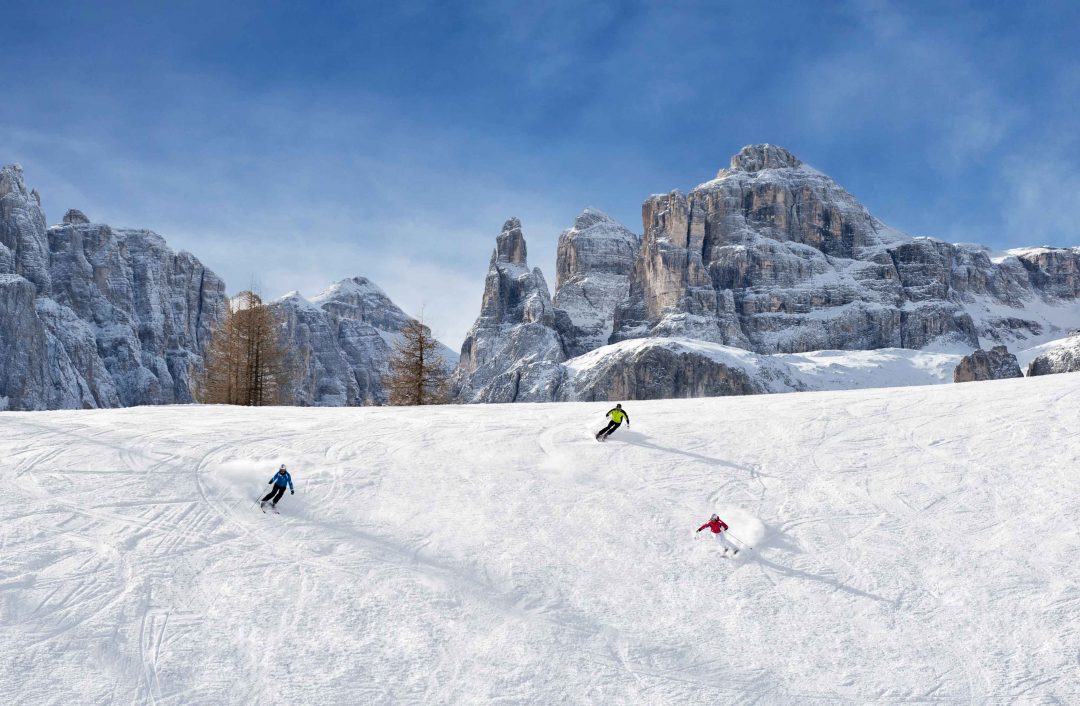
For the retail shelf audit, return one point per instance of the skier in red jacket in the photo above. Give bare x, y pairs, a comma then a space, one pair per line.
718, 526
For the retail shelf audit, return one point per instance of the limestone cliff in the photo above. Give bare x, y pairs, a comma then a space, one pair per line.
95, 316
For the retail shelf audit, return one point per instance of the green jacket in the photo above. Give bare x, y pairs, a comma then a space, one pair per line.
618, 416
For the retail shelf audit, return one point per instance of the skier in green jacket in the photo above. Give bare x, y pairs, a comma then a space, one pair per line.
617, 416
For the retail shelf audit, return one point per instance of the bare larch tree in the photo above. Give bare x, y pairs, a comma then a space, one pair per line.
247, 362
417, 373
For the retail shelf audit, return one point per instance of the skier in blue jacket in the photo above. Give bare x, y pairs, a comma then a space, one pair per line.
280, 480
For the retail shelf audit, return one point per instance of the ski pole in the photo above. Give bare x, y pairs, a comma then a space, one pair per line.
739, 540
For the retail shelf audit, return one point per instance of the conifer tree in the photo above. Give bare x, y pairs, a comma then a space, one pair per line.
246, 362
417, 372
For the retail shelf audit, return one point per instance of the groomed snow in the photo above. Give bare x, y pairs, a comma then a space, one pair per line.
913, 545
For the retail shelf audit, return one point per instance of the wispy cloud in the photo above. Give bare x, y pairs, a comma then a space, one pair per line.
899, 73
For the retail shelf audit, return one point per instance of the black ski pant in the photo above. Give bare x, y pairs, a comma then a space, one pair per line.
606, 431
275, 494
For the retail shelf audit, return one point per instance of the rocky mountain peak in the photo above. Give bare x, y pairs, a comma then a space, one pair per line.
75, 217
349, 287
11, 180
510, 243
591, 217
754, 158
513, 351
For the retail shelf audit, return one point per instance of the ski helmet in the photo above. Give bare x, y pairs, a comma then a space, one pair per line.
714, 517
618, 406
282, 467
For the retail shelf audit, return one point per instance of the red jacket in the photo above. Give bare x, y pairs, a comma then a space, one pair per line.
717, 526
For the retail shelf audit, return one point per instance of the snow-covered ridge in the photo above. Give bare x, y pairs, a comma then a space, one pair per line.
1040, 250
911, 545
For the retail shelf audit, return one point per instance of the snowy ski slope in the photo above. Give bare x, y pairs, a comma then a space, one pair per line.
915, 545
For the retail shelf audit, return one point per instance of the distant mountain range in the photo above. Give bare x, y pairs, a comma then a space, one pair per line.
771, 257
728, 291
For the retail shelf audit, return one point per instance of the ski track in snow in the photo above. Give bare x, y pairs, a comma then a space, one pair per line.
914, 545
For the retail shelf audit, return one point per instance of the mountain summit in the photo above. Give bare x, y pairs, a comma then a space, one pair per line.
754, 158
773, 257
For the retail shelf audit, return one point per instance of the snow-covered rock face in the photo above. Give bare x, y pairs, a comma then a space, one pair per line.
774, 256
513, 350
995, 364
1061, 358
593, 265
343, 340
115, 317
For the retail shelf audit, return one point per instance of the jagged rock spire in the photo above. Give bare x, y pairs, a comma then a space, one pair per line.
24, 245
512, 351
510, 244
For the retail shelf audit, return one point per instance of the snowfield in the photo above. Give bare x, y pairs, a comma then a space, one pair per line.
911, 545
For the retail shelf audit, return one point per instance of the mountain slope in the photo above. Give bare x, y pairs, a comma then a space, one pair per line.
344, 338
912, 545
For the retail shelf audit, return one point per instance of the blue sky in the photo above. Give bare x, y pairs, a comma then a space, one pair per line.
294, 144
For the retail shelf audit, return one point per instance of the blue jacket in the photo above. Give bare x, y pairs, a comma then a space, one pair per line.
280, 480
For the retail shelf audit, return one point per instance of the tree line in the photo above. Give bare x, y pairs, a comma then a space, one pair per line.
249, 361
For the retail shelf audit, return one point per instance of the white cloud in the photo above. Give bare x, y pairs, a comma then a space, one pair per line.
904, 79
1041, 205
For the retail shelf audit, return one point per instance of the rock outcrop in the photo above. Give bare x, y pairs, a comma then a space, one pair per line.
995, 364
1064, 357
653, 368
513, 351
75, 217
593, 264
661, 370
343, 340
774, 256
99, 317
